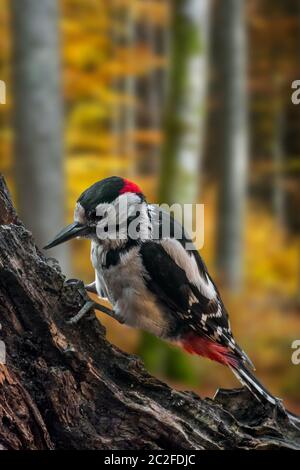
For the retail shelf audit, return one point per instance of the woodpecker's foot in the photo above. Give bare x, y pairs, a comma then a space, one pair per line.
90, 305
91, 288
111, 313
73, 282
76, 285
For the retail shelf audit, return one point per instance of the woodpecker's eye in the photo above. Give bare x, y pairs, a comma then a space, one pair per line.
97, 217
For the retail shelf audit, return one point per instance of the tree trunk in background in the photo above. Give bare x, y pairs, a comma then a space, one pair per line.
38, 120
123, 113
149, 94
229, 63
130, 91
181, 154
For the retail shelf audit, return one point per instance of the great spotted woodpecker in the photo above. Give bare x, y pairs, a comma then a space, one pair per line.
152, 281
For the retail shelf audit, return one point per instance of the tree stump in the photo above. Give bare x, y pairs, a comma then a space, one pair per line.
66, 387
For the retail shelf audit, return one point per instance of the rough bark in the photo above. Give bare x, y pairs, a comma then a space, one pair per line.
66, 387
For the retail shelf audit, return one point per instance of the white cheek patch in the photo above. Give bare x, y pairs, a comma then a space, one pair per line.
79, 214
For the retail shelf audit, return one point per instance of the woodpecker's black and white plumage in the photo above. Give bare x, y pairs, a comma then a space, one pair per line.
152, 281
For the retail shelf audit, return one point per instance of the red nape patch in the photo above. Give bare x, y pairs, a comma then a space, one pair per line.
207, 348
130, 187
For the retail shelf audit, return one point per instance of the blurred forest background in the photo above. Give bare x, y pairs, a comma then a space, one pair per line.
192, 99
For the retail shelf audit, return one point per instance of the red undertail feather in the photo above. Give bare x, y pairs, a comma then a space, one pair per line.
207, 348
130, 187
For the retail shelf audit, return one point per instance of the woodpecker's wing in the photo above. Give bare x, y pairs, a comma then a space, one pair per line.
180, 281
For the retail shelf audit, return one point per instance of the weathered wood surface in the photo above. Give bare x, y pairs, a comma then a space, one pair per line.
66, 387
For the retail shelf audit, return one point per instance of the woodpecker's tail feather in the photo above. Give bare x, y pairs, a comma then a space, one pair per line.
234, 359
250, 381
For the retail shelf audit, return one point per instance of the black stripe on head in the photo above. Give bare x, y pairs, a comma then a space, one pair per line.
104, 191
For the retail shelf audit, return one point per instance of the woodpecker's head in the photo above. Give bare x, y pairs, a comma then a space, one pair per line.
104, 211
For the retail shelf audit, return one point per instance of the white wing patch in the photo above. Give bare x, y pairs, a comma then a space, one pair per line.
188, 263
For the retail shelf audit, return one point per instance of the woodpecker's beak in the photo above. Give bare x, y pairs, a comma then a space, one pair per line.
71, 231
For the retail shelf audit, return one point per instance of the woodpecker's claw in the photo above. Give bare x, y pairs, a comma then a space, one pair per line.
77, 285
91, 305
